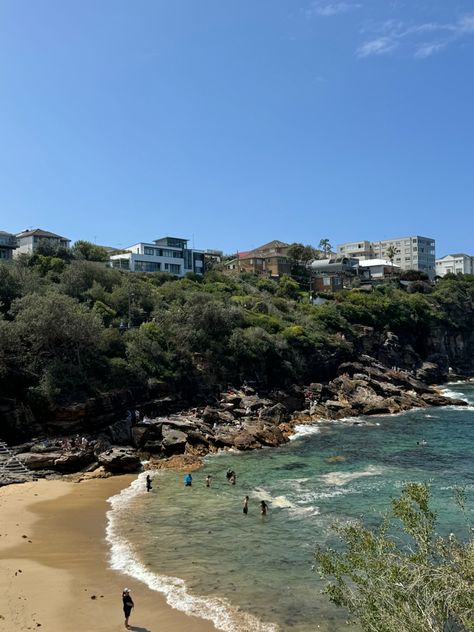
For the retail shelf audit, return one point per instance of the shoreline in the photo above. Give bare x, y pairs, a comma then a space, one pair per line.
54, 569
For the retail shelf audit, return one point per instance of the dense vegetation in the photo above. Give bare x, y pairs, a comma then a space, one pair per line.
70, 327
403, 575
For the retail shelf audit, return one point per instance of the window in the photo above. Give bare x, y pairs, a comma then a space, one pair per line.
147, 266
178, 254
149, 251
175, 268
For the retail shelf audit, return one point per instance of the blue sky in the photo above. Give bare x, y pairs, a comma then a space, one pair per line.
234, 122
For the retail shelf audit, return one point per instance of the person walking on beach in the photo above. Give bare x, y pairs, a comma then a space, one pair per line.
148, 483
263, 508
245, 508
127, 604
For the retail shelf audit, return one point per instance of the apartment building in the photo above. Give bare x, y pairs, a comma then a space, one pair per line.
8, 243
167, 254
411, 253
29, 241
459, 263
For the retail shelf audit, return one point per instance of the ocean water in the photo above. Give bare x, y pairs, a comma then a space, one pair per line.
250, 573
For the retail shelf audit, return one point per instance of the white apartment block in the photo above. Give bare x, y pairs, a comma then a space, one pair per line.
455, 264
411, 253
168, 254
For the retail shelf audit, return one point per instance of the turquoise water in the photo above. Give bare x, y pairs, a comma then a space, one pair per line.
264, 565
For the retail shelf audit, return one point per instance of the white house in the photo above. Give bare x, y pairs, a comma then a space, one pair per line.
29, 240
378, 268
168, 254
455, 264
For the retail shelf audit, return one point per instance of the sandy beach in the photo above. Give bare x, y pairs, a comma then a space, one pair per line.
54, 574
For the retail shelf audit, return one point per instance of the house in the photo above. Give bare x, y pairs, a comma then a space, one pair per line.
268, 260
167, 254
410, 253
459, 263
8, 243
333, 274
30, 240
377, 269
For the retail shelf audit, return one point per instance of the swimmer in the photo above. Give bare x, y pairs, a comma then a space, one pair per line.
263, 508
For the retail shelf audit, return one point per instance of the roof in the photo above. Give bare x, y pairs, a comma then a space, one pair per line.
39, 232
276, 243
369, 263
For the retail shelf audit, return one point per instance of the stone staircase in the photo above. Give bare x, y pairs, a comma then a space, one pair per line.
12, 467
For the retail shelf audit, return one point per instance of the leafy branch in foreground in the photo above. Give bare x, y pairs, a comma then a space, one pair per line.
403, 576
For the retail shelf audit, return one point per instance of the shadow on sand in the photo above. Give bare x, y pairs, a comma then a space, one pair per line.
136, 628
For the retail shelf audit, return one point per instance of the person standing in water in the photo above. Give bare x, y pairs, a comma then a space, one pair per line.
127, 604
208, 480
148, 483
188, 480
263, 508
233, 478
245, 508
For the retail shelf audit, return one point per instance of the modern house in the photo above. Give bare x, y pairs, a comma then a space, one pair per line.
8, 243
459, 263
29, 240
377, 269
411, 253
268, 260
167, 254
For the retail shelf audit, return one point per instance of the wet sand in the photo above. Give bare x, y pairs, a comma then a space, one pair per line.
54, 573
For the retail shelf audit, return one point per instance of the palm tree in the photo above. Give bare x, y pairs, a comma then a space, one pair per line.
325, 246
391, 252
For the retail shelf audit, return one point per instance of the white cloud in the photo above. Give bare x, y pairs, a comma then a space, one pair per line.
328, 9
426, 50
393, 34
379, 46
466, 24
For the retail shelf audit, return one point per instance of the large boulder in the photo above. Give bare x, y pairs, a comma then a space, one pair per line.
277, 413
74, 461
252, 403
120, 433
39, 460
120, 460
173, 441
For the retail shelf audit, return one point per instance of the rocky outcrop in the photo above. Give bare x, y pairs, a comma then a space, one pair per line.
243, 419
119, 460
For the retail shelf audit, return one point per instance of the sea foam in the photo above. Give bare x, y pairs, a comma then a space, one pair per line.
123, 558
304, 430
341, 478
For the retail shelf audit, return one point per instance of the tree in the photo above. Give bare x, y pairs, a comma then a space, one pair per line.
403, 575
325, 246
391, 252
301, 255
90, 252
